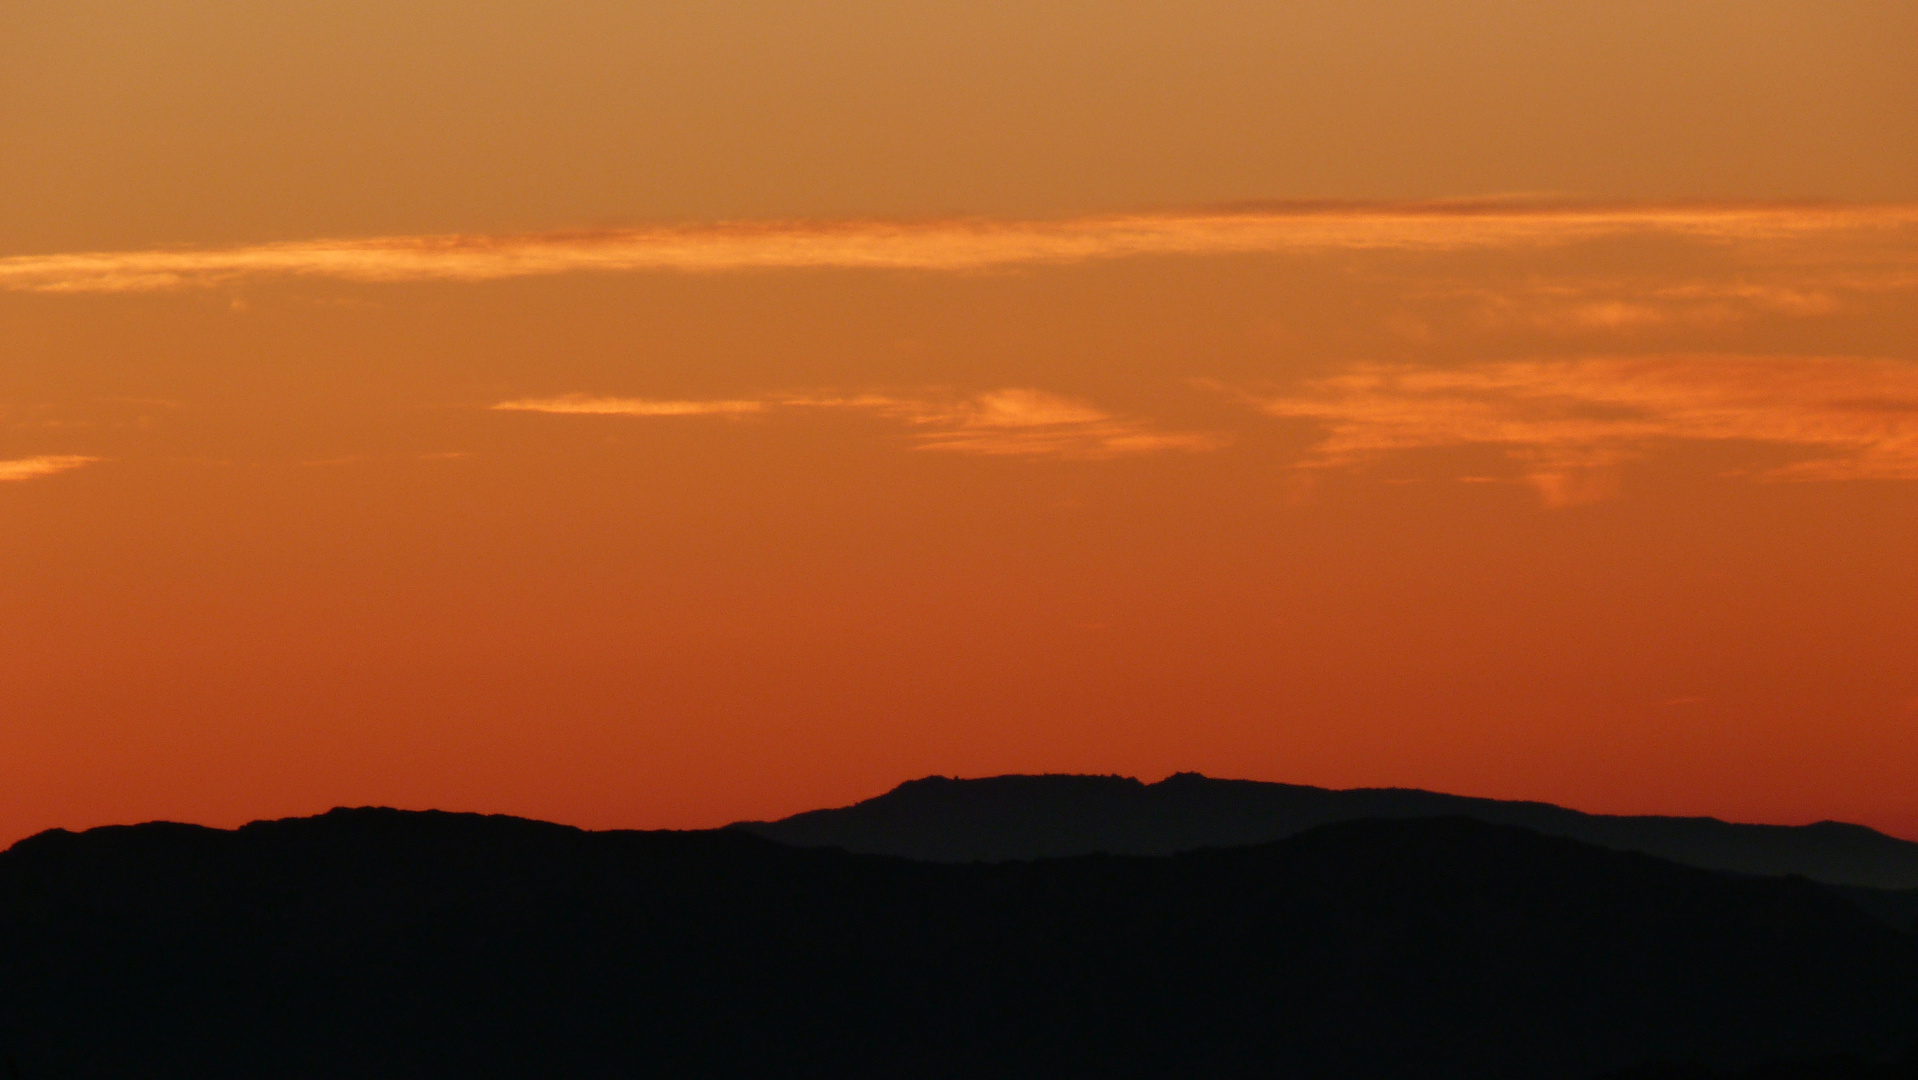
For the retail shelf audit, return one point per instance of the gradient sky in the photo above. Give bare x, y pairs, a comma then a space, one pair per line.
661, 415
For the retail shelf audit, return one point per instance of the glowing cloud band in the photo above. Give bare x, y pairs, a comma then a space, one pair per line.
942, 245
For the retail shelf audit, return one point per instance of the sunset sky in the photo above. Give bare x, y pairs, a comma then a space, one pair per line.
658, 415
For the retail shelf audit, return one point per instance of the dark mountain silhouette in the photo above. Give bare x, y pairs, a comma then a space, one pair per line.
1034, 817
391, 944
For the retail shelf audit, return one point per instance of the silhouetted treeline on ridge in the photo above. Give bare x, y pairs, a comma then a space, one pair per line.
393, 944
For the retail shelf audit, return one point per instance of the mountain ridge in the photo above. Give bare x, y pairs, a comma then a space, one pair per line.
944, 819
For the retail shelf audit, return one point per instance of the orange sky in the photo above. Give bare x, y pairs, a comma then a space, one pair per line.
816, 396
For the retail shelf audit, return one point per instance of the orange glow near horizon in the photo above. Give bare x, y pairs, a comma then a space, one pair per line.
358, 450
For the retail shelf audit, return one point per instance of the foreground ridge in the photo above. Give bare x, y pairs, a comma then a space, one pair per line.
405, 944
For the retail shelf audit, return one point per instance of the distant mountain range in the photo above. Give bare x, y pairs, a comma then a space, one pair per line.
395, 944
1038, 817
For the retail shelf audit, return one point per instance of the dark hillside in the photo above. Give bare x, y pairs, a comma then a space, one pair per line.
1898, 907
1834, 1067
390, 944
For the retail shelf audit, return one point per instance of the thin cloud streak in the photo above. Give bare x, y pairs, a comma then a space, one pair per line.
1000, 423
584, 405
940, 245
45, 465
1623, 307
1569, 424
1033, 422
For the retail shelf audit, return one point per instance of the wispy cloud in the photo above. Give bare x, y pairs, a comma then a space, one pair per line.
1008, 422
1569, 423
1628, 307
948, 245
1034, 422
44, 465
1650, 303
585, 405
